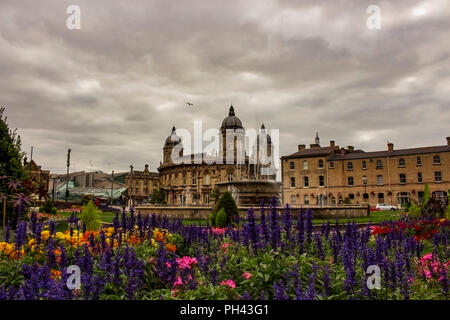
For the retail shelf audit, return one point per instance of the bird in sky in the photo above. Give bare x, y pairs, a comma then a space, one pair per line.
190, 104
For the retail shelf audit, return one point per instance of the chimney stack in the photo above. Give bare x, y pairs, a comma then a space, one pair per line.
301, 147
332, 144
390, 146
146, 167
448, 141
351, 148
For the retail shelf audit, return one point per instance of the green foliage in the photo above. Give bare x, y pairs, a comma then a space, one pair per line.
212, 219
347, 201
90, 215
414, 211
48, 207
158, 196
426, 196
229, 205
214, 194
10, 155
221, 219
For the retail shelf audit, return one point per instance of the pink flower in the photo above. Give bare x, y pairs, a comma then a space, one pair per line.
247, 275
179, 282
225, 245
168, 264
230, 283
186, 262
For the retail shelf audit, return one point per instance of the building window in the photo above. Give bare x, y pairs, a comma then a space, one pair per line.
207, 180
292, 182
349, 166
380, 197
436, 159
379, 164
438, 176
331, 164
419, 161
145, 190
401, 163
420, 195
293, 200
351, 181
306, 181
306, 199
402, 178
305, 165
194, 178
351, 196
137, 190
206, 198
364, 165
292, 165
184, 178
419, 177
365, 196
230, 176
380, 181
321, 181
320, 164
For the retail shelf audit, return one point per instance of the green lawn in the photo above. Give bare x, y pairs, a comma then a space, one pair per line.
375, 216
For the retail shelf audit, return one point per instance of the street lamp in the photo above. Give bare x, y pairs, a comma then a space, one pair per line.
365, 186
112, 187
67, 176
131, 186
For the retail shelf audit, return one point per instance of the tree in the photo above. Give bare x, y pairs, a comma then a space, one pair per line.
158, 196
214, 194
90, 215
229, 205
12, 173
221, 219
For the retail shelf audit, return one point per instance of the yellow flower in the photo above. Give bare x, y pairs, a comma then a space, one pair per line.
45, 235
60, 236
31, 242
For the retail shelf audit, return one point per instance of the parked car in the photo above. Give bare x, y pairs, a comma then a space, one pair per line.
385, 207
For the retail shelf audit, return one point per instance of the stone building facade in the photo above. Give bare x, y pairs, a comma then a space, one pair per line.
140, 184
190, 181
332, 175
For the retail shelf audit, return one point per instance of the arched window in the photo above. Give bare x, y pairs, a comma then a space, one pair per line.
320, 164
437, 159
207, 180
292, 165
305, 165
349, 165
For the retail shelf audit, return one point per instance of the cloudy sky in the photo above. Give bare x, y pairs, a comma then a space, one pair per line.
112, 90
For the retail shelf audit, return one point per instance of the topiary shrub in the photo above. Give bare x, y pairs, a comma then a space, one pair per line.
221, 219
41, 209
90, 215
229, 205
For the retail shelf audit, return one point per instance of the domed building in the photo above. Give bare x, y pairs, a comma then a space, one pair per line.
189, 181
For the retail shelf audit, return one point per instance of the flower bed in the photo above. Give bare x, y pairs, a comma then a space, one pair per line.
153, 258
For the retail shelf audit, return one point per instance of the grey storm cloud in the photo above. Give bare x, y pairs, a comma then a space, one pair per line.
112, 90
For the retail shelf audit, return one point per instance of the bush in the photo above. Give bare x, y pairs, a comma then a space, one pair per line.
212, 219
90, 215
48, 208
221, 219
229, 205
